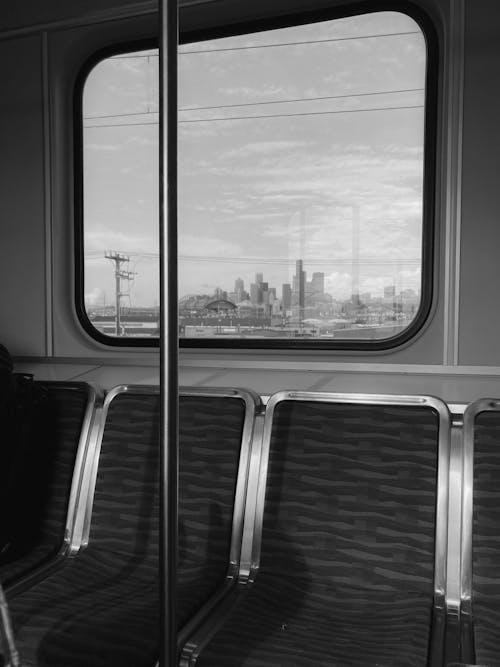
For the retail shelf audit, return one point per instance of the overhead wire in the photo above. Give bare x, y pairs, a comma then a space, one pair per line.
261, 116
278, 260
249, 104
266, 102
276, 45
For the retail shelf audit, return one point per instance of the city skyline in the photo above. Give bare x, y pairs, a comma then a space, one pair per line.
295, 292
260, 309
298, 293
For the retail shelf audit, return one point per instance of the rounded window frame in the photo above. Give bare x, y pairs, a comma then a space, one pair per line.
425, 309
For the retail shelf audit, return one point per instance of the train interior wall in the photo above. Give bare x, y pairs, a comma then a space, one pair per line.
456, 355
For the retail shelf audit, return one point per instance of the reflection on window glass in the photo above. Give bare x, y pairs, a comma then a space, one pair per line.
300, 184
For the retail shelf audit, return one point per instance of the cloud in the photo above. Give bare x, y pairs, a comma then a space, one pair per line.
340, 284
263, 216
143, 141
264, 148
203, 246
196, 131
98, 238
94, 297
244, 183
261, 93
102, 147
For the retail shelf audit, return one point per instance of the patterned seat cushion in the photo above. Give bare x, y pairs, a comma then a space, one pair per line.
347, 563
102, 608
485, 539
293, 623
56, 441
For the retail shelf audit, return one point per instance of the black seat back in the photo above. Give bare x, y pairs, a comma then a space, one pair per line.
125, 518
351, 494
352, 515
51, 427
481, 565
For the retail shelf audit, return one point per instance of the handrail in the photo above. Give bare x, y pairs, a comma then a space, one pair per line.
168, 333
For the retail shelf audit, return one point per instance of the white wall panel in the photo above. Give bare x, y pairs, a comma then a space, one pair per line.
480, 260
22, 235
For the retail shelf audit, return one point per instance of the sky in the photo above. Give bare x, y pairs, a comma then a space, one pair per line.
285, 148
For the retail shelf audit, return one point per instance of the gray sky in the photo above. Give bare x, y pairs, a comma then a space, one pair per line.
256, 194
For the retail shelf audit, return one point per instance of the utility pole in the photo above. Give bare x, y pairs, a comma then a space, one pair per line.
120, 275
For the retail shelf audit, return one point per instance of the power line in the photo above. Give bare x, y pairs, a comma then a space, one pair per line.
277, 45
304, 99
370, 261
284, 115
252, 104
309, 262
98, 255
301, 43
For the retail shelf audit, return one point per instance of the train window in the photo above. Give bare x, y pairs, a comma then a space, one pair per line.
305, 187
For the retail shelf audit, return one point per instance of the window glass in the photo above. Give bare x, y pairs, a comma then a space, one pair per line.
301, 170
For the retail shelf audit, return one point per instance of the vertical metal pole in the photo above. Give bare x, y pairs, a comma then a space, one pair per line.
168, 333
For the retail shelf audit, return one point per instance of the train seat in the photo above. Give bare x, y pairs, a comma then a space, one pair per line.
43, 480
481, 544
102, 608
348, 573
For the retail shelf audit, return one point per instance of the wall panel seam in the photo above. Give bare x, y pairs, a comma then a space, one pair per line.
453, 119
101, 16
47, 193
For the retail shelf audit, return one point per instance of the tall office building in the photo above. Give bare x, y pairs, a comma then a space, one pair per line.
318, 283
299, 281
239, 290
257, 289
286, 296
366, 297
255, 294
299, 290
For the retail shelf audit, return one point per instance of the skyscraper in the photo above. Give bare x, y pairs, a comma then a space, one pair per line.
239, 290
300, 283
257, 288
255, 294
318, 283
220, 294
286, 296
299, 291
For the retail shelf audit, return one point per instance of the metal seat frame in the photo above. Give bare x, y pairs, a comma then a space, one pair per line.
255, 505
